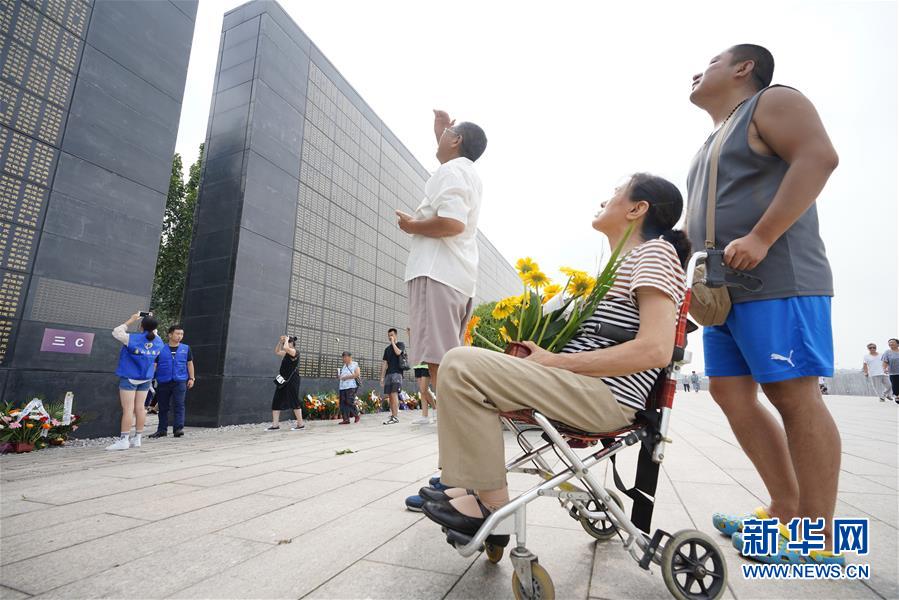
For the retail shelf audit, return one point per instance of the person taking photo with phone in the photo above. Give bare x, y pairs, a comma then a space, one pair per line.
137, 363
287, 384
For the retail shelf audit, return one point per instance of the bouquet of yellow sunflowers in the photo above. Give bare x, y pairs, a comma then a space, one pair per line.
547, 313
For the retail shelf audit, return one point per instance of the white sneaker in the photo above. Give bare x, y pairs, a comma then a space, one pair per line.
119, 444
391, 421
422, 421
134, 442
432, 420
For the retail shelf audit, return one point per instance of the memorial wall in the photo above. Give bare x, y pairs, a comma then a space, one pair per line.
90, 98
295, 230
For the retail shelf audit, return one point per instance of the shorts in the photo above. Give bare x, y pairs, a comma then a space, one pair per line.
772, 340
392, 383
438, 316
422, 373
125, 384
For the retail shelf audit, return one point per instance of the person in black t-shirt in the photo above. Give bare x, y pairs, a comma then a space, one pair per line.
392, 374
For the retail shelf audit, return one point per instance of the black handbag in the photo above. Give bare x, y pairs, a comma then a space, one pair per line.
279, 380
404, 360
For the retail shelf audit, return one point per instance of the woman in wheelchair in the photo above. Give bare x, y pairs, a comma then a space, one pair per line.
594, 384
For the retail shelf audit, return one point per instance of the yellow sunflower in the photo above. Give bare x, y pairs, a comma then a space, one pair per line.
512, 301
535, 279
504, 335
572, 273
502, 309
469, 331
581, 285
551, 291
526, 265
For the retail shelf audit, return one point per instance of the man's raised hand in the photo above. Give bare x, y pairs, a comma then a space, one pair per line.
441, 121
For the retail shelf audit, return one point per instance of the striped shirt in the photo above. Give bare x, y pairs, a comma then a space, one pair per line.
651, 264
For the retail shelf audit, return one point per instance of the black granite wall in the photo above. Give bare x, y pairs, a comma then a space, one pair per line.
90, 98
295, 231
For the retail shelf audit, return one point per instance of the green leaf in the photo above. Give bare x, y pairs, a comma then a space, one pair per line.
531, 315
552, 330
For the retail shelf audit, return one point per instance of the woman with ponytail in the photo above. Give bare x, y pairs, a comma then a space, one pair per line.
137, 364
594, 384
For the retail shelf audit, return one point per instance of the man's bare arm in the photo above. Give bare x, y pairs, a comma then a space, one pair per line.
789, 124
435, 227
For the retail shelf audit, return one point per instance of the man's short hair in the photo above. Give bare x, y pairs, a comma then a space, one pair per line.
474, 140
763, 63
392, 329
173, 328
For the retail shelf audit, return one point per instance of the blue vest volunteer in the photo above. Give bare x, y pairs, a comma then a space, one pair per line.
173, 367
137, 358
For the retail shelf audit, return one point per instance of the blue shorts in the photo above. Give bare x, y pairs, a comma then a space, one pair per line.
126, 385
772, 340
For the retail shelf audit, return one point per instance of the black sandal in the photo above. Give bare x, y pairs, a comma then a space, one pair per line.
445, 514
429, 493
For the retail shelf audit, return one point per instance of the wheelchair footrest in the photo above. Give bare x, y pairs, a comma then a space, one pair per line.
653, 547
457, 538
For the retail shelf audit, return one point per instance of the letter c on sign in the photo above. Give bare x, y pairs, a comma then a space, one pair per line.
79, 342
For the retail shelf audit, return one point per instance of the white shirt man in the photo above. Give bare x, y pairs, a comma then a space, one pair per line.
872, 367
442, 269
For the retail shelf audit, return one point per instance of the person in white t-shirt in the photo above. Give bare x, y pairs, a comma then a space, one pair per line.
442, 268
872, 367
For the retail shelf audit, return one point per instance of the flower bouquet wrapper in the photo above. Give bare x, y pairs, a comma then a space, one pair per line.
517, 350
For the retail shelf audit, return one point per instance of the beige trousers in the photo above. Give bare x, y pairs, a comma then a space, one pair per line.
438, 318
476, 384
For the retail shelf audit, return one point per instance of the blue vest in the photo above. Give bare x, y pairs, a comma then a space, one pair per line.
136, 360
170, 369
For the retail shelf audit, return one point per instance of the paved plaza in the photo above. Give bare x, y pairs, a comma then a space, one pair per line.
242, 513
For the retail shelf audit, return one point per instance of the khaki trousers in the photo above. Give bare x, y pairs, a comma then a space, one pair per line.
476, 384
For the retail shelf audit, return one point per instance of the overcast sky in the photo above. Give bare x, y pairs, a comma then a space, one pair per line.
574, 96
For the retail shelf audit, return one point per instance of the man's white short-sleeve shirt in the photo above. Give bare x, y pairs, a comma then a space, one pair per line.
454, 192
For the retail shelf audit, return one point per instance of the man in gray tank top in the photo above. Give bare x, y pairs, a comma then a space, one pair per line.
773, 163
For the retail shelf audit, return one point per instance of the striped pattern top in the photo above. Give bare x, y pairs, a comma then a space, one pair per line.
654, 264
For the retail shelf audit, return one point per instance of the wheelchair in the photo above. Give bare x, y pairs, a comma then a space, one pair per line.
692, 565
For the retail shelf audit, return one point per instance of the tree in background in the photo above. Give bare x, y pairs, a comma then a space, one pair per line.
174, 243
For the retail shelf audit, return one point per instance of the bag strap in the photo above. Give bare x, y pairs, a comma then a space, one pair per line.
712, 198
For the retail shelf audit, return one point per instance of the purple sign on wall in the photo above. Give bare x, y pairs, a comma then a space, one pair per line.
69, 342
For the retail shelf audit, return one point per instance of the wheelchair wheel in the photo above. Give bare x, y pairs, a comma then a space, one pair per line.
543, 585
693, 567
600, 529
494, 553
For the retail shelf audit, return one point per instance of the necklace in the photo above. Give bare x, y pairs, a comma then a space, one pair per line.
724, 122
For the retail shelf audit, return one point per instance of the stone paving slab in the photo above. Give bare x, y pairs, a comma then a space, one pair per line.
241, 513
